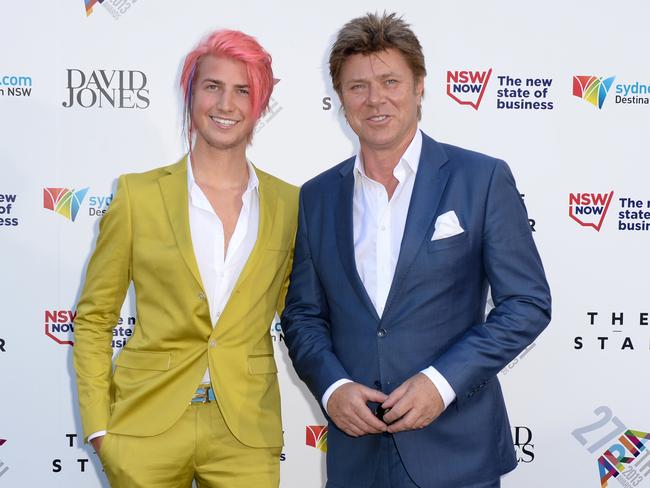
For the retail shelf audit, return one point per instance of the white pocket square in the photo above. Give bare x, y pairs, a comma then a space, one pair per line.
447, 225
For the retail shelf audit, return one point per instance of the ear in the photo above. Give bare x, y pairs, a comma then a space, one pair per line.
419, 88
345, 114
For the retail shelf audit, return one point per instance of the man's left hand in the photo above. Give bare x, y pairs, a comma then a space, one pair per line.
413, 405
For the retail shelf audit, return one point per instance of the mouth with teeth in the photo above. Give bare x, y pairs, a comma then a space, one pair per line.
223, 122
378, 118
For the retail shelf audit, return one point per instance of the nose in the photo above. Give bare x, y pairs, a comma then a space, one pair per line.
375, 94
225, 101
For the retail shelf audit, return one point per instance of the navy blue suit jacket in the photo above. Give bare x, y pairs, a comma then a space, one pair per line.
434, 314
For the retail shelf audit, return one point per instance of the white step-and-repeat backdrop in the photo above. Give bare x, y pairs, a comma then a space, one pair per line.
560, 90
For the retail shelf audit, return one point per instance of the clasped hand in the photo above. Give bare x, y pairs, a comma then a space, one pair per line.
413, 405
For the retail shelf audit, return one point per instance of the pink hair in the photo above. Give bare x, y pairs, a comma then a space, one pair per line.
241, 47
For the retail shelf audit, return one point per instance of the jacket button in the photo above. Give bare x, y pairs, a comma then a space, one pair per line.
382, 333
378, 384
201, 296
212, 343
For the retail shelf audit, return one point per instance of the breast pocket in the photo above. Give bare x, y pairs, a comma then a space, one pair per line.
458, 241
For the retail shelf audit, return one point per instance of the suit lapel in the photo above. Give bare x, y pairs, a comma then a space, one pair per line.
345, 235
173, 187
430, 182
268, 207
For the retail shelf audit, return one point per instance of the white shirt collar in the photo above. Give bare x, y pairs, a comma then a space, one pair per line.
409, 161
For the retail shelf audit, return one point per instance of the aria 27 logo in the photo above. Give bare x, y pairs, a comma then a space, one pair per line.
116, 8
627, 459
316, 436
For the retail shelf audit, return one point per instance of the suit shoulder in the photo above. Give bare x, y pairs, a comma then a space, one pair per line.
326, 181
478, 164
284, 190
467, 156
152, 175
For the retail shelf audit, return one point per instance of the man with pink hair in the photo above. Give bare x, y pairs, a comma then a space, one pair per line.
207, 243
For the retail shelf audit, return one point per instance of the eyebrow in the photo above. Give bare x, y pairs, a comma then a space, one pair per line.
219, 82
382, 76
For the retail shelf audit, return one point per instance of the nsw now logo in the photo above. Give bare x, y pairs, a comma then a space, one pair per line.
589, 209
468, 87
59, 326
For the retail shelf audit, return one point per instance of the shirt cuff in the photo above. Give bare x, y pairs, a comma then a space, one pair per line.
94, 435
444, 388
330, 390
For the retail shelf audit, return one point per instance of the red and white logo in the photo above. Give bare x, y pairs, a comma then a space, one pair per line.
59, 326
468, 87
589, 209
316, 437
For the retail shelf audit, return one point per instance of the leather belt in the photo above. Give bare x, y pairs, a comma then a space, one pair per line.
203, 394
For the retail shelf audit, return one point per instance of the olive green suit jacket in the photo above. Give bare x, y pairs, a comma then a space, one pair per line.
145, 238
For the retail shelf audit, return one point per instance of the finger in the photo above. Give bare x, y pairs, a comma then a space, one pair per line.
371, 424
407, 422
352, 430
356, 425
344, 424
401, 408
373, 395
394, 397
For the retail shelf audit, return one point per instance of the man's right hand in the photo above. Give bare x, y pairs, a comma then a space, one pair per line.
97, 443
347, 408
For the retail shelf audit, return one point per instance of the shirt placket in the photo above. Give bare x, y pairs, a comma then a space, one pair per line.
383, 229
231, 257
218, 268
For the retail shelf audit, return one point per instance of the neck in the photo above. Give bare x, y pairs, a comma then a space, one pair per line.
379, 163
219, 168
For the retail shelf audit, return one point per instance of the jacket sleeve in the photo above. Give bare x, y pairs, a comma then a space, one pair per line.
305, 320
107, 281
521, 295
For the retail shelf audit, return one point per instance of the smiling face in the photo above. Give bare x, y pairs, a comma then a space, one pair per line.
380, 96
221, 107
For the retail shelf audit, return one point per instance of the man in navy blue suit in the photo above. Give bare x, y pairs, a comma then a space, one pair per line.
396, 248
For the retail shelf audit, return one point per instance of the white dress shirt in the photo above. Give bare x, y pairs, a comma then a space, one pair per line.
378, 230
219, 270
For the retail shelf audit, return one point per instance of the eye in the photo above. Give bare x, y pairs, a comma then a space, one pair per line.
390, 81
211, 86
243, 91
